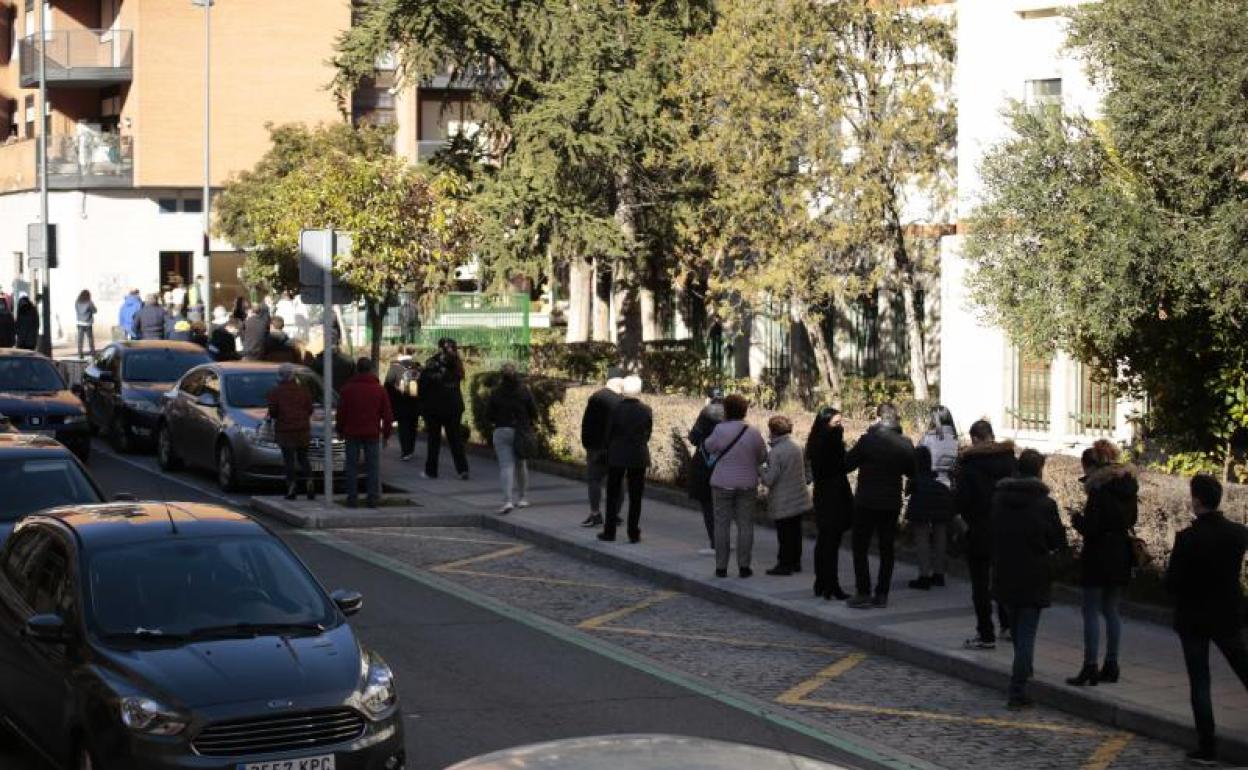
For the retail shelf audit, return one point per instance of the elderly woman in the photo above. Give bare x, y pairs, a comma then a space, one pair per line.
736, 450
784, 475
290, 408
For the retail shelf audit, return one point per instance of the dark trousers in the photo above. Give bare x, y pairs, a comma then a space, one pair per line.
869, 522
372, 466
595, 476
1196, 656
981, 597
86, 333
828, 552
435, 425
708, 518
295, 458
615, 498
407, 431
1026, 624
789, 535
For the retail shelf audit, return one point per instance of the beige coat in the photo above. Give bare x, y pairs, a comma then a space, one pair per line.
784, 475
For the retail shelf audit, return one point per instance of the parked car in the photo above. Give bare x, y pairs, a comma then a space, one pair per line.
37, 473
174, 635
641, 752
34, 397
216, 417
123, 386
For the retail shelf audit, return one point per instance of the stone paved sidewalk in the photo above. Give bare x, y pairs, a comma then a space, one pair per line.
926, 628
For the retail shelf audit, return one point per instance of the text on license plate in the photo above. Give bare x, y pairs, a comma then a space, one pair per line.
325, 762
318, 466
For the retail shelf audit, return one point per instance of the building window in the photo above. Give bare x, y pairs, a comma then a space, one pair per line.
167, 205
1044, 94
29, 110
1039, 13
1098, 401
193, 205
1031, 392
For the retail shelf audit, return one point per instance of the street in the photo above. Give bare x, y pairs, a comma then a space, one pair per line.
497, 643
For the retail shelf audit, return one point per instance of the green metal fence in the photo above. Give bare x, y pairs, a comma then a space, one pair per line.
495, 325
1031, 392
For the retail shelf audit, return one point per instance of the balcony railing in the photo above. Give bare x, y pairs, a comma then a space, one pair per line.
80, 57
90, 161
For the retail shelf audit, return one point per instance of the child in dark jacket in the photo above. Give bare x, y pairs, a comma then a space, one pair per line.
930, 510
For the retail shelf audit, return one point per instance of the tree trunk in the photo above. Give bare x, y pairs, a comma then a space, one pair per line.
627, 331
914, 338
826, 362
580, 300
376, 313
601, 301
648, 295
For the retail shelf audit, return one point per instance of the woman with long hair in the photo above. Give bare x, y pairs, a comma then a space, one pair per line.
512, 411
833, 499
85, 310
931, 536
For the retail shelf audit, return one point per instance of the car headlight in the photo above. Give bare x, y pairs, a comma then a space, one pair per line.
378, 695
75, 419
144, 715
139, 405
259, 438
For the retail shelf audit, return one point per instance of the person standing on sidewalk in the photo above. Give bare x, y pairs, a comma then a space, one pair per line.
980, 466
443, 405
628, 456
1105, 558
1204, 577
1026, 531
788, 498
195, 300
833, 500
929, 512
256, 332
84, 312
402, 385
513, 412
594, 424
130, 306
735, 450
882, 457
932, 536
364, 418
149, 323
699, 472
27, 323
8, 326
290, 409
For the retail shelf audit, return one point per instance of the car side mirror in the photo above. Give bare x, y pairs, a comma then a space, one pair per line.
208, 399
350, 602
47, 628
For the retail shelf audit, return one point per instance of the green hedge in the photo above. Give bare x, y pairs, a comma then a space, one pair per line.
548, 392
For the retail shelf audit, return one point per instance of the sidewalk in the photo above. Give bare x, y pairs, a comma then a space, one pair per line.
922, 627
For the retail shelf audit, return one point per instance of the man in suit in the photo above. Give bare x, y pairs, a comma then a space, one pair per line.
1204, 576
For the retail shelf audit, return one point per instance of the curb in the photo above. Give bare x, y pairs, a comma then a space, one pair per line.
323, 519
1071, 700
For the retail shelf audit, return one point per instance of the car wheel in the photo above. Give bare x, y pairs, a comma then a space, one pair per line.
166, 457
227, 470
119, 436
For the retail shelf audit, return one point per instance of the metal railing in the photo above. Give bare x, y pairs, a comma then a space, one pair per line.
81, 55
90, 159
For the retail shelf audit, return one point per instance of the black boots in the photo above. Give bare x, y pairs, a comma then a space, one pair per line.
1109, 672
832, 591
1088, 675
291, 494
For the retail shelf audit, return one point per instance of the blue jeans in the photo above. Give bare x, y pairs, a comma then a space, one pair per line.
1025, 622
372, 467
513, 472
1103, 600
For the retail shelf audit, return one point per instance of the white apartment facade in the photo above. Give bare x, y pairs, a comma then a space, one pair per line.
1014, 49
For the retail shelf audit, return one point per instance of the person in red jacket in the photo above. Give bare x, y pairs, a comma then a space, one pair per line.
363, 420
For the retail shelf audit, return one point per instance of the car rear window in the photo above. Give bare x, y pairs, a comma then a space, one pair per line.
32, 484
29, 374
160, 365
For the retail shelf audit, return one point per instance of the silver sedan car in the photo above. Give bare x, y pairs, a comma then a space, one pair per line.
216, 418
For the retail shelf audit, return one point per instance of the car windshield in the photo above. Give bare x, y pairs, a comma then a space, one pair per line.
33, 374
160, 365
250, 390
33, 483
200, 587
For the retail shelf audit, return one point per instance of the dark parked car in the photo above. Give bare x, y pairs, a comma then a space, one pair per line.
37, 473
122, 387
156, 636
216, 417
34, 397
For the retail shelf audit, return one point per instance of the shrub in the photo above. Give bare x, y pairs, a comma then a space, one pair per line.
677, 368
547, 392
580, 361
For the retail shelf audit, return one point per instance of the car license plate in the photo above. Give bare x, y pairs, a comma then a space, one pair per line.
318, 466
325, 762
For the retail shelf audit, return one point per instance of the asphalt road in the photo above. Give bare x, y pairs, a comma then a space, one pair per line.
472, 680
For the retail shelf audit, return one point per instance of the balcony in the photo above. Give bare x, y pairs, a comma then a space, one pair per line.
79, 58
83, 162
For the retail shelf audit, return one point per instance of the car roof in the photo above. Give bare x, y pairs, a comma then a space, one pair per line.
20, 353
29, 445
245, 367
126, 522
134, 345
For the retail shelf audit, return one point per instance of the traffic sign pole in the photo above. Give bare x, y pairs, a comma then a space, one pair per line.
327, 321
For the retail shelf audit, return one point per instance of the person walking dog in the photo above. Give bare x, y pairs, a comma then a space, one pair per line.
1204, 578
595, 422
290, 409
736, 450
628, 456
788, 498
512, 411
833, 500
364, 420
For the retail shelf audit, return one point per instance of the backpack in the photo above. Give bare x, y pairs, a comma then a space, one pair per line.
409, 381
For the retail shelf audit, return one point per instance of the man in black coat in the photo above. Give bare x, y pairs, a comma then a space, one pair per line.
256, 333
401, 385
628, 455
1204, 576
442, 404
976, 474
1026, 531
151, 321
594, 424
882, 457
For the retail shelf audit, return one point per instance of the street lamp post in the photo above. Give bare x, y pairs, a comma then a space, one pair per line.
45, 339
206, 289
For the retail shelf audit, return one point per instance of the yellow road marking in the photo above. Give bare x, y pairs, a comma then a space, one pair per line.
539, 579
796, 695
452, 566
422, 536
935, 716
1107, 752
711, 638
601, 620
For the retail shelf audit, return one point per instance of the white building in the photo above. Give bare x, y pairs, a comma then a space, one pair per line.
1013, 49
